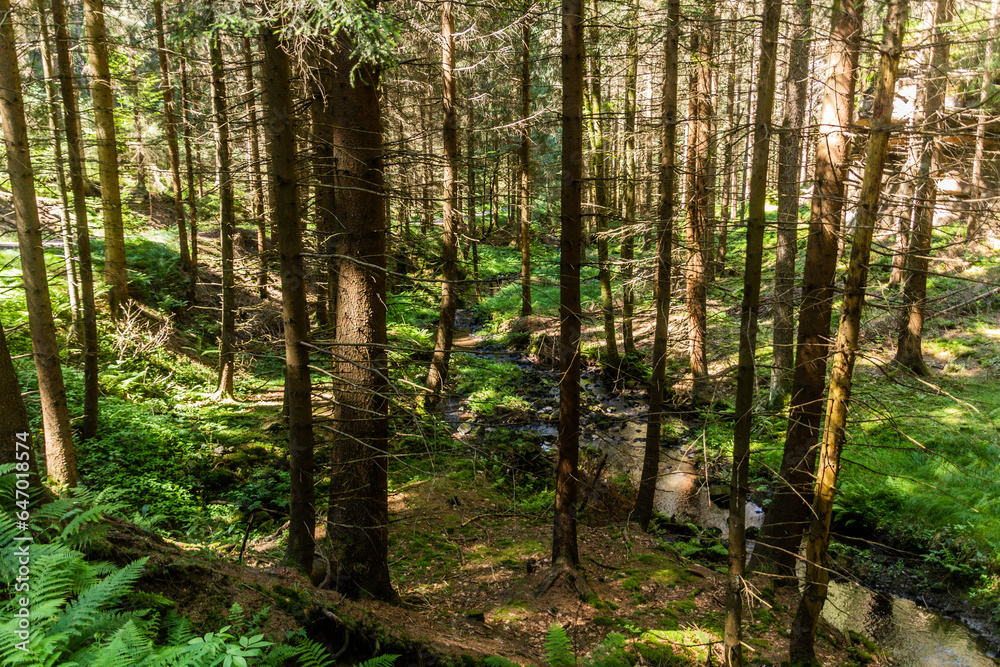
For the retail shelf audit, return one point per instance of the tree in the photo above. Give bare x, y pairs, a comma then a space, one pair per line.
170, 121
60, 457
524, 162
846, 347
220, 111
789, 165
746, 378
437, 376
74, 152
298, 385
909, 351
358, 517
15, 432
599, 172
787, 515
189, 168
664, 236
564, 545
628, 236
698, 185
978, 185
107, 155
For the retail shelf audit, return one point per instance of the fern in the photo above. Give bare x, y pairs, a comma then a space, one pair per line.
499, 661
558, 648
609, 653
380, 661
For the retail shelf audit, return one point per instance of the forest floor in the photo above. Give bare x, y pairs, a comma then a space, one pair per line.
471, 489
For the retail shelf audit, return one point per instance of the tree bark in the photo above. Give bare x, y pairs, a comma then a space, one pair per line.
978, 184
170, 121
564, 544
789, 164
227, 335
599, 172
77, 178
56, 128
524, 155
746, 376
909, 349
628, 235
253, 169
60, 457
298, 386
787, 515
107, 155
359, 510
189, 168
817, 559
699, 153
15, 432
325, 173
664, 235
437, 376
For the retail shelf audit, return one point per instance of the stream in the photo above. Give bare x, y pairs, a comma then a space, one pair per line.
914, 636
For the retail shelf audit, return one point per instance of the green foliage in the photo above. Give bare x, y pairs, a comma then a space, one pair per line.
558, 647
611, 652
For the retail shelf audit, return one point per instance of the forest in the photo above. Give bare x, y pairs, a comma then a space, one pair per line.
597, 333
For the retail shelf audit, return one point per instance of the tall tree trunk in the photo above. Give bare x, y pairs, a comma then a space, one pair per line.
170, 120
746, 377
789, 158
325, 174
253, 170
470, 202
846, 347
60, 456
437, 376
15, 431
189, 168
728, 168
524, 155
298, 386
77, 179
664, 235
107, 155
227, 335
788, 513
699, 153
564, 545
909, 352
359, 508
599, 171
978, 184
628, 235
56, 128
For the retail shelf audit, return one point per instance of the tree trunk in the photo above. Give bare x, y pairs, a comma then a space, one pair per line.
56, 128
787, 515
77, 179
746, 377
599, 172
846, 347
15, 432
978, 184
470, 202
325, 173
909, 352
170, 121
437, 376
227, 336
189, 168
628, 235
253, 170
728, 168
524, 155
60, 456
664, 234
789, 158
564, 544
298, 387
107, 155
699, 153
359, 509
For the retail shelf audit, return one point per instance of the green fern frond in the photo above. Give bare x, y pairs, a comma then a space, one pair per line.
313, 654
380, 661
609, 653
558, 648
82, 612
